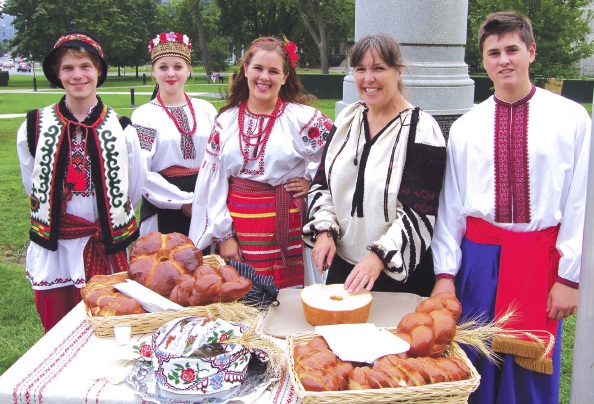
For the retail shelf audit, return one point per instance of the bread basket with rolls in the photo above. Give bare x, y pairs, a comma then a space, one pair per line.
170, 265
434, 370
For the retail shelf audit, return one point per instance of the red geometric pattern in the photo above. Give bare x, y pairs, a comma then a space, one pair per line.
82, 163
512, 179
146, 136
187, 142
421, 200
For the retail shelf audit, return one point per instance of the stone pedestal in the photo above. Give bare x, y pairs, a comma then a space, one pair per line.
432, 35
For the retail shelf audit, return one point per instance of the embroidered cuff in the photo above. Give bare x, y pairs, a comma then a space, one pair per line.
392, 259
330, 232
226, 237
565, 282
445, 276
381, 254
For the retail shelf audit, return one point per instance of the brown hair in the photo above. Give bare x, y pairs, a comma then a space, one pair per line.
78, 53
382, 45
291, 91
506, 22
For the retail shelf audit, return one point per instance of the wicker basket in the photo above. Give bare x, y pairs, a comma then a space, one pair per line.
149, 322
439, 393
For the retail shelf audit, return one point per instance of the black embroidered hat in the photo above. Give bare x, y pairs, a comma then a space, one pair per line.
74, 39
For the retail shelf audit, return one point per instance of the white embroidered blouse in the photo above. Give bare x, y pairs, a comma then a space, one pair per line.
293, 150
163, 146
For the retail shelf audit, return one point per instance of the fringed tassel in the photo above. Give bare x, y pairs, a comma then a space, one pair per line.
515, 346
543, 365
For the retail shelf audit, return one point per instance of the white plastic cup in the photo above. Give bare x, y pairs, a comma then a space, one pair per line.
122, 334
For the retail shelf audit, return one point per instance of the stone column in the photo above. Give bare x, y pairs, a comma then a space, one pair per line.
432, 35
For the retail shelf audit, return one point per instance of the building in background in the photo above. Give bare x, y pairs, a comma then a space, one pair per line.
586, 66
6, 28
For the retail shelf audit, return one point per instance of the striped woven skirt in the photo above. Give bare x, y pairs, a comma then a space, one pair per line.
254, 207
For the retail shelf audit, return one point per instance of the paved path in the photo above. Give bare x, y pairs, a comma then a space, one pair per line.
51, 91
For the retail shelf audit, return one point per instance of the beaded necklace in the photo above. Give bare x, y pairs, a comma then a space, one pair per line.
257, 138
174, 119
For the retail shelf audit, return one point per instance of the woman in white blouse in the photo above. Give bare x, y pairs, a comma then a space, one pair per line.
173, 129
372, 206
260, 159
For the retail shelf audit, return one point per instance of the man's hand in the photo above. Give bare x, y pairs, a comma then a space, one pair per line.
562, 301
444, 285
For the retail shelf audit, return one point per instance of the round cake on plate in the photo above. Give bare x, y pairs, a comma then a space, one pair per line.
332, 304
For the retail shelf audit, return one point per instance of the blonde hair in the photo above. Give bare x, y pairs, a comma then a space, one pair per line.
77, 53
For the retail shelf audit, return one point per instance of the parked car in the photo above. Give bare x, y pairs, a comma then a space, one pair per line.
8, 64
24, 67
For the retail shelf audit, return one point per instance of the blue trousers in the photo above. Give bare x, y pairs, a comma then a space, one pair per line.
476, 286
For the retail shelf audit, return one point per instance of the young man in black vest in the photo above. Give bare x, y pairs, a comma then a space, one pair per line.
81, 166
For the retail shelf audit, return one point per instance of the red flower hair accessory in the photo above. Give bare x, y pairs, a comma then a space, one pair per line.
291, 49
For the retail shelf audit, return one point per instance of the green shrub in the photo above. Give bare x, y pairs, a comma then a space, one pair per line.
4, 78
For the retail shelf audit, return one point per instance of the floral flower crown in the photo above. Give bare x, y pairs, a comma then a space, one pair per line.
170, 44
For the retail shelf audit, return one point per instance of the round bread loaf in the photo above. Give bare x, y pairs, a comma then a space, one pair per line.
157, 260
332, 304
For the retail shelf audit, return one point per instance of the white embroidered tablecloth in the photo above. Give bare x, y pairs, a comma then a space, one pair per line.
61, 367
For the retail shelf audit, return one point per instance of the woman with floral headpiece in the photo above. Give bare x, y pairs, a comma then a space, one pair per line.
173, 129
260, 159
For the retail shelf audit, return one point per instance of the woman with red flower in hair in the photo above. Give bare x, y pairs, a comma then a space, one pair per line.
373, 202
263, 151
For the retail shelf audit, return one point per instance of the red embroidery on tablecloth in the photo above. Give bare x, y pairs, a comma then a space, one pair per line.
57, 360
512, 176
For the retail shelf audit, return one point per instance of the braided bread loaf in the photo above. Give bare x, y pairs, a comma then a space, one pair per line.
103, 299
210, 285
157, 260
392, 371
318, 368
431, 327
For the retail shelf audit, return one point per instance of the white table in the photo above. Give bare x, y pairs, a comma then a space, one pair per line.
61, 367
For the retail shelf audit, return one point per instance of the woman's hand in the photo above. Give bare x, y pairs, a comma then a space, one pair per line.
323, 251
297, 187
187, 209
364, 274
230, 250
444, 285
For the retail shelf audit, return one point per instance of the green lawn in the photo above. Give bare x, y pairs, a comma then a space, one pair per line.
20, 323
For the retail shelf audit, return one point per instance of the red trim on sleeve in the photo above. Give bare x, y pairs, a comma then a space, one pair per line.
565, 282
445, 276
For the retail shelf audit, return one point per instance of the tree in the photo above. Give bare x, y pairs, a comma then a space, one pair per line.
38, 23
197, 14
122, 26
560, 29
246, 20
319, 35
333, 22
